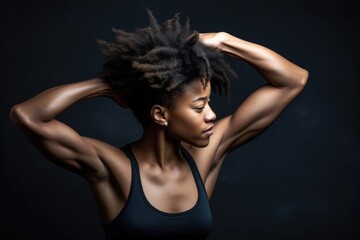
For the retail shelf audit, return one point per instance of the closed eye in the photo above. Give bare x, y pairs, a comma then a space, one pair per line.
199, 109
206, 100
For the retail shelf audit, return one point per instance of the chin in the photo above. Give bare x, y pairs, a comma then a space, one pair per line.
201, 144
205, 145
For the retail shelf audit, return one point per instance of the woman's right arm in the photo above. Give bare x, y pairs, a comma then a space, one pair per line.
55, 140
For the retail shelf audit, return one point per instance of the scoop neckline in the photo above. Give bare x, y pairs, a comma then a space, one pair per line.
143, 193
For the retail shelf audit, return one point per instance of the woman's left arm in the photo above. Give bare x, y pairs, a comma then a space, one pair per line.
285, 81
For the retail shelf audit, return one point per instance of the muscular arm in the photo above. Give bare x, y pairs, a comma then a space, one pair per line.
55, 140
285, 81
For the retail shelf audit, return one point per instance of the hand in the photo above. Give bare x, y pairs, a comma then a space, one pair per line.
213, 40
108, 91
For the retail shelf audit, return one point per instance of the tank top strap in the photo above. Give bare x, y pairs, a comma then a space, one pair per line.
192, 165
134, 168
127, 150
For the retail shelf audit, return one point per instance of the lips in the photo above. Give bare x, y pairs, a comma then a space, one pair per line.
209, 131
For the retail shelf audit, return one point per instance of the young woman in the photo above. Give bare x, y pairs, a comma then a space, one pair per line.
159, 186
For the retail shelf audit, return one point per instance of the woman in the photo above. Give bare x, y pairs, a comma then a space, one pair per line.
159, 186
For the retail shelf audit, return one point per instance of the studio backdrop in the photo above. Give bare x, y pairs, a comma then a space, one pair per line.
297, 180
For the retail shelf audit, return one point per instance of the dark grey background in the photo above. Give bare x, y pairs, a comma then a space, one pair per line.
298, 180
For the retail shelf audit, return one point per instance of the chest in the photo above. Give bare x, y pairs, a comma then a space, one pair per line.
171, 191
163, 207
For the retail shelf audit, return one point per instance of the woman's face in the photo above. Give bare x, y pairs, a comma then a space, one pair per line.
190, 118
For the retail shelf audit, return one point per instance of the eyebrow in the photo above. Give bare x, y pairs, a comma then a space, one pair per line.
200, 99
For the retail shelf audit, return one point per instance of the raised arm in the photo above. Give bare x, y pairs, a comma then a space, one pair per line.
55, 140
285, 81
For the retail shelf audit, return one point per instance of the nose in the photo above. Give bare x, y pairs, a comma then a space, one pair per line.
210, 116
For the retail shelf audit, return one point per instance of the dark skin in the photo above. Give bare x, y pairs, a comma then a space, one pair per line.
166, 177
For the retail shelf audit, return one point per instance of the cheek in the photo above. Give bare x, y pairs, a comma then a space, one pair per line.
188, 127
188, 121
192, 133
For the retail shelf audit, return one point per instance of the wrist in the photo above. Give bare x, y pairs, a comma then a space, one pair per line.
101, 87
96, 87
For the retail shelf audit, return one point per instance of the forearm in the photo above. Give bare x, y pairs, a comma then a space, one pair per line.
277, 70
48, 104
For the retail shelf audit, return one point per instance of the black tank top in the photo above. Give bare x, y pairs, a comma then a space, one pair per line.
140, 220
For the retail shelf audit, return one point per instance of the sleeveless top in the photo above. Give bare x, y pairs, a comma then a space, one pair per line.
140, 220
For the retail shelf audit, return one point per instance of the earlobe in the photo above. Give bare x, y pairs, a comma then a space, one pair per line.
159, 115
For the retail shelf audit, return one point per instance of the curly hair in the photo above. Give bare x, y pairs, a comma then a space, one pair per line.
153, 64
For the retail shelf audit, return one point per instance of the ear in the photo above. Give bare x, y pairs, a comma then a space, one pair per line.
159, 115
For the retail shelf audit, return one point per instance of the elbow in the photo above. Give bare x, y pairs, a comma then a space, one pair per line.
304, 78
301, 79
18, 116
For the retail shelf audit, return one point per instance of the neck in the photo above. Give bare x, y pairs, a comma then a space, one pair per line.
155, 147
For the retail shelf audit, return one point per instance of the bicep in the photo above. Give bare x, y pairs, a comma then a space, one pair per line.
62, 145
255, 114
